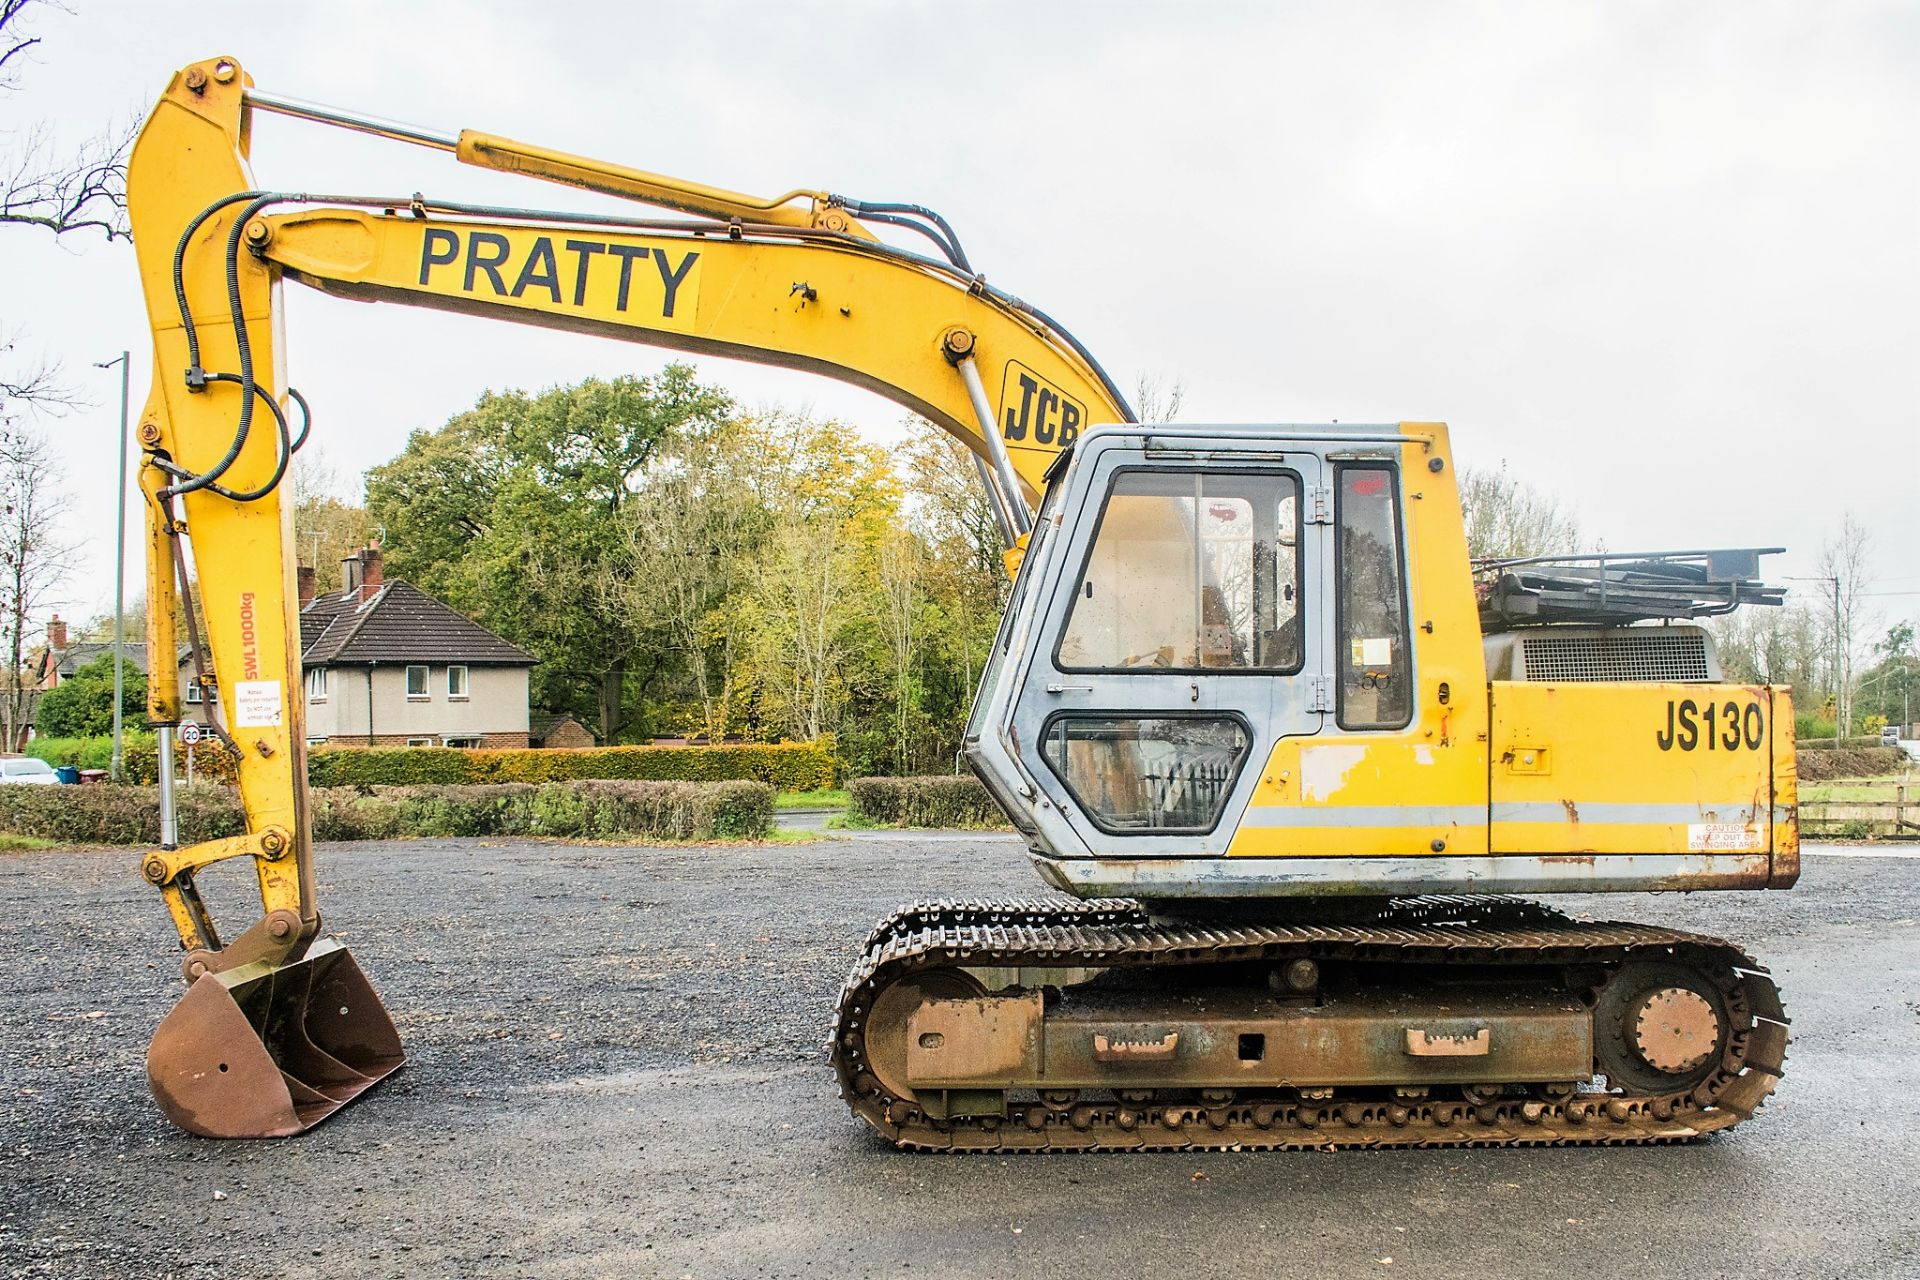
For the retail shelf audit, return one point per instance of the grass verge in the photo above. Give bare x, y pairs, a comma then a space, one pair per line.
830, 798
1843, 790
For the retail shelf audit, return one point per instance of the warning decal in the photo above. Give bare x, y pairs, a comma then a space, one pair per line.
256, 704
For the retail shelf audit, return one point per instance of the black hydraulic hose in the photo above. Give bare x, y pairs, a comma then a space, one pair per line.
179, 259
249, 388
904, 215
287, 447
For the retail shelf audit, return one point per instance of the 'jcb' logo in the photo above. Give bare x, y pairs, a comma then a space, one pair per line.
1033, 408
655, 284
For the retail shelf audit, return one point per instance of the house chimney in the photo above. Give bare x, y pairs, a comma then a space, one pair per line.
305, 576
371, 575
56, 632
350, 575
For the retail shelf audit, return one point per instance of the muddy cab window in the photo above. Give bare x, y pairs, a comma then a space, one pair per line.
1190, 570
1376, 672
1147, 774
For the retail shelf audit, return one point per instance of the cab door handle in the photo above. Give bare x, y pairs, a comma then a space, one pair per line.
1069, 688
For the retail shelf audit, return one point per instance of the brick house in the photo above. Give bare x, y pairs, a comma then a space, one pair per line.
559, 731
388, 665
62, 656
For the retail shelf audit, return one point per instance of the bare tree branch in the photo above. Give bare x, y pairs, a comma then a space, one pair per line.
13, 40
1846, 562
84, 192
37, 552
1507, 516
36, 386
1158, 401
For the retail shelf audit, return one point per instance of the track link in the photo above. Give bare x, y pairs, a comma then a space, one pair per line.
1426, 932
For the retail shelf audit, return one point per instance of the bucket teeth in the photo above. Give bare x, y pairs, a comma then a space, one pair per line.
272, 1052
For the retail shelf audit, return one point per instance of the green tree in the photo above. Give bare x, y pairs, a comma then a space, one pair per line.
692, 542
512, 512
1890, 688
81, 706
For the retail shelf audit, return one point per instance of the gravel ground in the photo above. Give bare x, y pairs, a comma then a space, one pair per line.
616, 1071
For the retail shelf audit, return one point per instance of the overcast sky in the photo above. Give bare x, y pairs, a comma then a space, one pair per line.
1662, 259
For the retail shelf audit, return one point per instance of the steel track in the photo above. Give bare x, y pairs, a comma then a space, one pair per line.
1421, 933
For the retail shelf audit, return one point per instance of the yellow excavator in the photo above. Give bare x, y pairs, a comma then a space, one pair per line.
1287, 751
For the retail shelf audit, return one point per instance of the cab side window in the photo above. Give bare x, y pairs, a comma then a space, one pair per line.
1376, 669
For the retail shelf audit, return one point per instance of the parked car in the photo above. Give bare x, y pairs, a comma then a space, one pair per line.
28, 770
1889, 735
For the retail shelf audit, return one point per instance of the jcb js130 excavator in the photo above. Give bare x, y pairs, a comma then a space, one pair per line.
1250, 704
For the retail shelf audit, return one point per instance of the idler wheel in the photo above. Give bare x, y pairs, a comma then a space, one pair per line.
1659, 1027
887, 1020
1674, 1030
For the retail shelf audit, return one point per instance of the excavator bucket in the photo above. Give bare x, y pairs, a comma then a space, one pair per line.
268, 1051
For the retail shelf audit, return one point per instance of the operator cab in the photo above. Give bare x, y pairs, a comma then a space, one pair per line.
1176, 618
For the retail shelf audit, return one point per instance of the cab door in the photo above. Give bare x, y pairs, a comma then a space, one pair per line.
1178, 634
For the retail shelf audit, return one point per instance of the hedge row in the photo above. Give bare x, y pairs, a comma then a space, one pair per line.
785, 766
589, 809
107, 814
1838, 744
923, 802
211, 762
1849, 762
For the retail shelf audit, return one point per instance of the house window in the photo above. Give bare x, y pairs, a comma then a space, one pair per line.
417, 684
457, 684
194, 692
468, 741
419, 742
317, 684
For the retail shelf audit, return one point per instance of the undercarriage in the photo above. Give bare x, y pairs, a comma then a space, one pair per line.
1438, 1021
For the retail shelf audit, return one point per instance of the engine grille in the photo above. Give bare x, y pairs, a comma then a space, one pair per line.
1644, 654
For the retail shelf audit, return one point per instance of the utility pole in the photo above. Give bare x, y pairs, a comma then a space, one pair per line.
124, 360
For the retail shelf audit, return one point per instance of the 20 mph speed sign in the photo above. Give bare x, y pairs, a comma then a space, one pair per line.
190, 733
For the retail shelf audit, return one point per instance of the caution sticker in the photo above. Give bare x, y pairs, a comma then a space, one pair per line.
1721, 837
256, 704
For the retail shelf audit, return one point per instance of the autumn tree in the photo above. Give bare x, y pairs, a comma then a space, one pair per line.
963, 579
327, 527
81, 706
512, 513
833, 498
689, 548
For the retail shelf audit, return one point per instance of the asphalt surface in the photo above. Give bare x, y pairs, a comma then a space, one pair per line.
616, 1071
